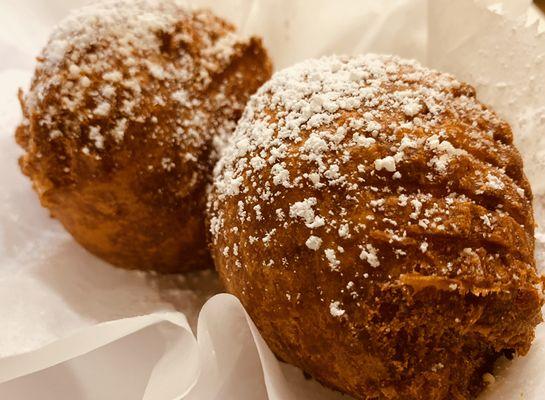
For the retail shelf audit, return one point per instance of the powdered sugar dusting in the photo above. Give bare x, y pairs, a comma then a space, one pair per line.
358, 155
120, 63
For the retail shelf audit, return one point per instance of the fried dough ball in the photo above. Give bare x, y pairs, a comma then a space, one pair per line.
118, 126
374, 220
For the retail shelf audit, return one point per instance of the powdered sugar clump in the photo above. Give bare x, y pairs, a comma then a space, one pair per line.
335, 310
313, 242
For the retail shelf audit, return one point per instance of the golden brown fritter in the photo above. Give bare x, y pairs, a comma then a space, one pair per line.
126, 101
374, 219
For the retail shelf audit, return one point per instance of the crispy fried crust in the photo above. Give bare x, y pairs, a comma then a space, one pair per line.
119, 122
374, 219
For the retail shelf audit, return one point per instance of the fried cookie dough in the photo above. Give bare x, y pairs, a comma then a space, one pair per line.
119, 121
374, 219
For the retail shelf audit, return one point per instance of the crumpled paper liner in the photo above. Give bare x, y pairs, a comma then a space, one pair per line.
75, 328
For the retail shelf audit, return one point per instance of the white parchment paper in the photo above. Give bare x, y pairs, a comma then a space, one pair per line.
73, 327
